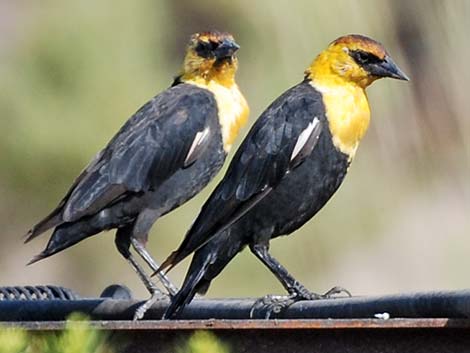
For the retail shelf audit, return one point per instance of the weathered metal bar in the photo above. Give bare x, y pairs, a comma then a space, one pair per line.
281, 336
454, 305
275, 324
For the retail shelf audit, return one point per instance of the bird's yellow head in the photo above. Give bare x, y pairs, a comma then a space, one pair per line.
210, 56
354, 59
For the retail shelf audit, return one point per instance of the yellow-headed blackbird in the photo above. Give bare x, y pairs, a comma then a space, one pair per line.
163, 155
290, 164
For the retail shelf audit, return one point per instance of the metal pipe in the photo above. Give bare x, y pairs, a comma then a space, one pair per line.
455, 305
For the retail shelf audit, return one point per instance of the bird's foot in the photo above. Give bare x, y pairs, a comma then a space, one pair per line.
156, 296
275, 304
272, 304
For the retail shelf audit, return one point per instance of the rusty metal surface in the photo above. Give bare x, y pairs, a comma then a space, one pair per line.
276, 324
286, 336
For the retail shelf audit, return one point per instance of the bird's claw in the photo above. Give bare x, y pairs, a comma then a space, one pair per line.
299, 292
272, 304
142, 309
337, 292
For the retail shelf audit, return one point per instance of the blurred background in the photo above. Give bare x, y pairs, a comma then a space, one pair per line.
73, 71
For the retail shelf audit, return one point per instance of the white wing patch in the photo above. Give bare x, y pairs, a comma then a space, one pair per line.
197, 146
305, 136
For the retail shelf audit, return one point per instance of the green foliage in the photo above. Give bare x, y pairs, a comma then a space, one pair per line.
13, 340
204, 342
77, 337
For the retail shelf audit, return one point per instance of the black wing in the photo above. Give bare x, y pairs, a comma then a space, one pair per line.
155, 142
281, 139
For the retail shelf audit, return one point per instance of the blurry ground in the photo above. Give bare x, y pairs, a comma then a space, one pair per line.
73, 71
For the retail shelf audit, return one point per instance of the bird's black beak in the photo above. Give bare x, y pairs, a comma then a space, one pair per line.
388, 68
226, 49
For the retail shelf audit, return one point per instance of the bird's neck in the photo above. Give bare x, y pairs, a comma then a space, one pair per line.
223, 73
347, 109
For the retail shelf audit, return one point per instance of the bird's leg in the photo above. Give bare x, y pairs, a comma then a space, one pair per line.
296, 290
151, 287
138, 239
288, 282
155, 293
142, 251
123, 241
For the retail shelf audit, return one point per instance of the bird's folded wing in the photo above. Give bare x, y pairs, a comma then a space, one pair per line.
162, 137
281, 139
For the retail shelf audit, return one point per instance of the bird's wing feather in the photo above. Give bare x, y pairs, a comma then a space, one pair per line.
149, 148
281, 139
55, 217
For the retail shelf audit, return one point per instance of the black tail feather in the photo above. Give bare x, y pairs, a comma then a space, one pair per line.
192, 284
53, 220
37, 258
65, 236
206, 264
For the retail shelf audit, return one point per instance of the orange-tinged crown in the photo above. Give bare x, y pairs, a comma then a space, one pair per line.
360, 42
210, 36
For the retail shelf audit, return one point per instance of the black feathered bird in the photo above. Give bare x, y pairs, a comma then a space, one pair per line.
290, 164
163, 156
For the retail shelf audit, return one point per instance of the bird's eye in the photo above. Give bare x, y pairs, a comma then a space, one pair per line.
213, 45
204, 49
364, 58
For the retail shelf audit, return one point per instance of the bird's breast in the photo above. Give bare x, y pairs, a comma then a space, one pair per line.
233, 112
232, 108
348, 114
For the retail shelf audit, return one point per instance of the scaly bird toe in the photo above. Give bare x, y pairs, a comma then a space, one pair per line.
272, 304
142, 309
